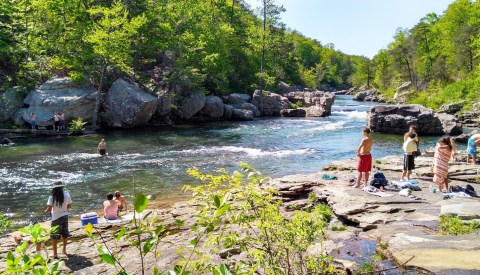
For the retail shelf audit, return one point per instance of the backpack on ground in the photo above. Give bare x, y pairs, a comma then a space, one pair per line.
379, 180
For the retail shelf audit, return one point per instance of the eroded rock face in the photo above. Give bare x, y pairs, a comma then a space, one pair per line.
58, 94
128, 106
315, 111
192, 105
398, 118
227, 111
365, 95
213, 108
269, 104
10, 102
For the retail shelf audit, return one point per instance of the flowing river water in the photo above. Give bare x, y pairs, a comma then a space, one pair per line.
157, 158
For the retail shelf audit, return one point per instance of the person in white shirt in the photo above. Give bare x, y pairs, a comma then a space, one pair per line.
409, 148
58, 204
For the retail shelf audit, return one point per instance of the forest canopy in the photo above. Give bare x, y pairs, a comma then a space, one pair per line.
187, 45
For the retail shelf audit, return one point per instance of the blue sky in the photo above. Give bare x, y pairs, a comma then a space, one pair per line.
360, 27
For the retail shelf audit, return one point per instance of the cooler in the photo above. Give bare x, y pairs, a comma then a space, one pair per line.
91, 217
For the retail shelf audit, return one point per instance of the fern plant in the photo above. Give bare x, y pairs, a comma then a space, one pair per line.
76, 126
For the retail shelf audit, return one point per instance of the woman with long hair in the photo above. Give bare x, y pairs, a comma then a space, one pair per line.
58, 204
443, 153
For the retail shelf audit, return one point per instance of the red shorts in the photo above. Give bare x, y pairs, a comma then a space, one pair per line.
365, 163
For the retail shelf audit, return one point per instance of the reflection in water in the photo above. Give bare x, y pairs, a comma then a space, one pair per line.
154, 161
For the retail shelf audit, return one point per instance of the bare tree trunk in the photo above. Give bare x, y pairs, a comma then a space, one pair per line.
99, 97
262, 63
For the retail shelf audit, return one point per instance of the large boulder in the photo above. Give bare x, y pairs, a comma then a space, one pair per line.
58, 94
128, 106
463, 138
10, 102
293, 112
398, 118
248, 106
269, 104
228, 111
241, 114
369, 95
213, 108
315, 111
320, 99
164, 106
236, 98
192, 105
451, 108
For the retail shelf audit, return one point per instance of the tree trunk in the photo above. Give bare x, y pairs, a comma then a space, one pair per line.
99, 98
262, 63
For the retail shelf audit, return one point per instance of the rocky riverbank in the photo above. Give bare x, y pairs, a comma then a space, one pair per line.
403, 230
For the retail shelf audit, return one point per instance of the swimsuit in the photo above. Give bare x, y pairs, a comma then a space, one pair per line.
365, 163
102, 152
472, 147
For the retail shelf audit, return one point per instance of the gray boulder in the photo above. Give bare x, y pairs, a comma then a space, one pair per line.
164, 106
228, 111
128, 106
240, 114
293, 113
10, 102
405, 86
236, 98
476, 107
366, 95
451, 108
463, 138
321, 99
269, 104
58, 94
248, 106
192, 105
398, 118
213, 107
285, 88
315, 111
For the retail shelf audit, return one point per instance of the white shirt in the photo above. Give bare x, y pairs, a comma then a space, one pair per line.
410, 145
61, 211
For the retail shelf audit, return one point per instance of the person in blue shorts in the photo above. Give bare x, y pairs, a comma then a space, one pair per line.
473, 141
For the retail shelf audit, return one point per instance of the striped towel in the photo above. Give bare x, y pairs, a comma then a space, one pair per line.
440, 164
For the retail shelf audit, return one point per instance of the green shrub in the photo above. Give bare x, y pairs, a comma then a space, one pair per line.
296, 105
76, 126
5, 224
453, 225
339, 228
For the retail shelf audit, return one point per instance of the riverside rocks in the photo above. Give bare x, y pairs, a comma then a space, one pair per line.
269, 104
238, 98
451, 108
397, 119
316, 98
128, 106
293, 113
213, 108
192, 104
10, 102
58, 94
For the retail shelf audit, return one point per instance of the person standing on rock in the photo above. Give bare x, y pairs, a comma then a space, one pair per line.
443, 153
364, 157
56, 122
61, 117
473, 141
413, 130
102, 148
58, 204
409, 148
33, 120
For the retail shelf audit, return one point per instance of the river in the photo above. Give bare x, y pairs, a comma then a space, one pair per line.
157, 159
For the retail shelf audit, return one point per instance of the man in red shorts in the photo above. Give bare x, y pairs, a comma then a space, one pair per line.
364, 157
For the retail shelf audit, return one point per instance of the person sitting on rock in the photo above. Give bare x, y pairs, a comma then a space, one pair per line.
121, 199
110, 208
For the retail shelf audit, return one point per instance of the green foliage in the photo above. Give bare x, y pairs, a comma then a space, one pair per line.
76, 126
21, 261
5, 224
296, 105
273, 244
339, 228
453, 225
